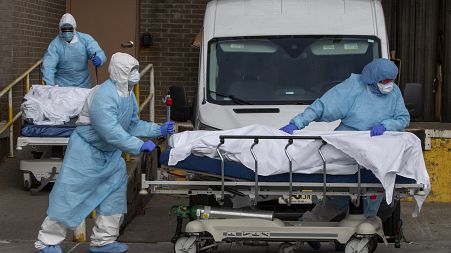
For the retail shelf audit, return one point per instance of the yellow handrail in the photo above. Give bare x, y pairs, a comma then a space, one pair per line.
9, 89
150, 98
25, 74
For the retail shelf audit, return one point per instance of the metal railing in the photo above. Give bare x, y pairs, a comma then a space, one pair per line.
12, 118
150, 99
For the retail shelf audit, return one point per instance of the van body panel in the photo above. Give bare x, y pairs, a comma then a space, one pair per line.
272, 18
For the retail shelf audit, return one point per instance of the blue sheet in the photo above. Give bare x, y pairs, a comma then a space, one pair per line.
238, 170
47, 131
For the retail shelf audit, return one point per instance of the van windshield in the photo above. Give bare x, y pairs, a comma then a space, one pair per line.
283, 70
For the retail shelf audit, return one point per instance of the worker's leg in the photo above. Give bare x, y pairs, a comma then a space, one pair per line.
110, 216
52, 233
326, 211
106, 229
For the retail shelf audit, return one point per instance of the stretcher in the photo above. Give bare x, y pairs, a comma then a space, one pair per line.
46, 145
220, 180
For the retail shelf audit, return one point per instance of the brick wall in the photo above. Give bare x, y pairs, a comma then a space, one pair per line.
26, 29
173, 25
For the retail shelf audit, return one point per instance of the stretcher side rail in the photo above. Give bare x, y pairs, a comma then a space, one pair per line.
23, 141
255, 189
353, 190
256, 138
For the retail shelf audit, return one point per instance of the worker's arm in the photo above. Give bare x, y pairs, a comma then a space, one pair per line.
140, 127
49, 64
93, 48
333, 105
401, 117
103, 113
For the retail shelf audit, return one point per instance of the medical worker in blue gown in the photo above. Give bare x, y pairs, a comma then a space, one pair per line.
65, 62
93, 174
366, 102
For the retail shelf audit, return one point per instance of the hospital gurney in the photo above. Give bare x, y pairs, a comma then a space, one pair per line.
44, 141
221, 179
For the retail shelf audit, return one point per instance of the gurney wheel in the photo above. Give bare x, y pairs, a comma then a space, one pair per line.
179, 246
353, 245
286, 247
29, 181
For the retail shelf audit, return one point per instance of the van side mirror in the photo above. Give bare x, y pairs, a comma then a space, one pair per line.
180, 111
413, 98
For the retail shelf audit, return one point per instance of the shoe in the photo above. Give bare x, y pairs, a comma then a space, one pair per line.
51, 249
315, 245
114, 247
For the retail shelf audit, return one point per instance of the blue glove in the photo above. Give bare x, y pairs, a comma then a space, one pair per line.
96, 61
167, 128
289, 129
377, 130
148, 146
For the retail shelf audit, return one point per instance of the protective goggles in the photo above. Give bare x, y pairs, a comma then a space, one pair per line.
67, 28
386, 81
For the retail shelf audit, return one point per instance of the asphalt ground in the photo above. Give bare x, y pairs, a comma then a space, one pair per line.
21, 215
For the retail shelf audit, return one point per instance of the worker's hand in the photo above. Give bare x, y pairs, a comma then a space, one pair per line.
377, 130
289, 129
167, 128
96, 61
148, 146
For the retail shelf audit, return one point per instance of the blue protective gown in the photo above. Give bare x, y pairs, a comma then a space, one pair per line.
357, 107
66, 64
359, 104
93, 174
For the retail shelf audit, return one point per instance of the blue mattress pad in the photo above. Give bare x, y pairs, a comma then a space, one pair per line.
31, 130
237, 170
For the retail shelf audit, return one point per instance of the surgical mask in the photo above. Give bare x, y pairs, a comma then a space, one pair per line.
133, 79
385, 88
67, 36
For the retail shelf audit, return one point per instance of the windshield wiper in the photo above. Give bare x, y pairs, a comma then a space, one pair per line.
233, 98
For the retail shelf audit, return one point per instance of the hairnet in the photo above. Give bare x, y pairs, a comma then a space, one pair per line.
68, 19
378, 70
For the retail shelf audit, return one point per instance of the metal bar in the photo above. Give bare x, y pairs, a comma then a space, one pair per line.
324, 172
10, 121
27, 83
256, 171
8, 124
152, 91
261, 137
138, 96
279, 184
41, 81
17, 80
145, 102
146, 69
222, 170
268, 193
359, 188
290, 167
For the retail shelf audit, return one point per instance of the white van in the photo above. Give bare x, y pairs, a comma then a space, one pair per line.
265, 61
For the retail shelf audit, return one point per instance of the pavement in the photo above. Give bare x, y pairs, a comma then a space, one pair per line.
21, 215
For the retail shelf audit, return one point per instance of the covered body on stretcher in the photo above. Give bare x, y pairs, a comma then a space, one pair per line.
223, 170
49, 115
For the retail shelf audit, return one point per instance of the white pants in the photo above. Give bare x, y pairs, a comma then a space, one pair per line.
105, 231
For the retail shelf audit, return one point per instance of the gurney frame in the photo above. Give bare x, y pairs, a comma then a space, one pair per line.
358, 233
